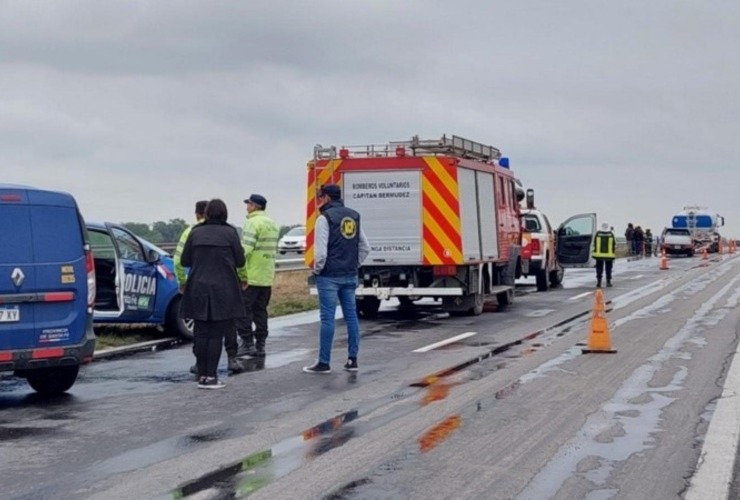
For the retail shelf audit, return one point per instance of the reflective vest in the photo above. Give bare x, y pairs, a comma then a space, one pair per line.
259, 239
180, 271
604, 244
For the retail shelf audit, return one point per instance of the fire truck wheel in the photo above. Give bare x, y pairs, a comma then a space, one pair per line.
367, 307
478, 303
505, 298
542, 283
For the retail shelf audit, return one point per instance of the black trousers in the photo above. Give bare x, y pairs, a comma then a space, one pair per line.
209, 338
256, 299
600, 264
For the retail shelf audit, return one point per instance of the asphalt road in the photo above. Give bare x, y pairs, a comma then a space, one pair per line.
512, 409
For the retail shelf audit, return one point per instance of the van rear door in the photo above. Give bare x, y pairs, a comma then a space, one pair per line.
43, 277
17, 270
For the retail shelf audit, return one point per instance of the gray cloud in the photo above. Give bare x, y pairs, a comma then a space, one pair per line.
141, 107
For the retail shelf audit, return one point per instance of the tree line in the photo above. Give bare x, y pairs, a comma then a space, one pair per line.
169, 232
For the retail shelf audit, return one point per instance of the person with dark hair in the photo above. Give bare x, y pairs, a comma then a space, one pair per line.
259, 240
340, 246
212, 296
180, 271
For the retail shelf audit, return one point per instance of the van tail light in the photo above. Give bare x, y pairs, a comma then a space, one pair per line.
90, 269
535, 246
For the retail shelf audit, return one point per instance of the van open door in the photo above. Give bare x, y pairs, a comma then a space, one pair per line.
575, 239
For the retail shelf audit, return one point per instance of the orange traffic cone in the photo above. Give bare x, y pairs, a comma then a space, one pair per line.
598, 336
719, 247
705, 254
733, 245
663, 261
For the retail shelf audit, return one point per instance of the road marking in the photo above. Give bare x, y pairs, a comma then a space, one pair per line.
445, 342
581, 295
713, 476
636, 277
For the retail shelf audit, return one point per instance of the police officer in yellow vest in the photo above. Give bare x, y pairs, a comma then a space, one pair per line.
259, 239
180, 271
604, 253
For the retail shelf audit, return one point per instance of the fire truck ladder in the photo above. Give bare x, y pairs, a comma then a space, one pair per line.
330, 154
455, 145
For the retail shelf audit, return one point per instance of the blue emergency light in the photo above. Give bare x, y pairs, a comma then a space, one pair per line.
504, 162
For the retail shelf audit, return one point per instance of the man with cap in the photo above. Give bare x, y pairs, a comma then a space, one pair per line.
259, 239
604, 253
340, 246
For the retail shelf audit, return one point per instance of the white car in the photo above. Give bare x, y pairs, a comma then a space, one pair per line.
293, 241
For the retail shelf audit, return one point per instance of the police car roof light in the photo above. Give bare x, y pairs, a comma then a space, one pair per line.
504, 162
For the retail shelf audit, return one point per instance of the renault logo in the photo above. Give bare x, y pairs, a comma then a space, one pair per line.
17, 276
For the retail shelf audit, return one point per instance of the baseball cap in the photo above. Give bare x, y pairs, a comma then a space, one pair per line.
331, 190
257, 199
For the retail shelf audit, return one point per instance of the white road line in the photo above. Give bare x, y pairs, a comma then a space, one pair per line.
581, 295
713, 476
445, 342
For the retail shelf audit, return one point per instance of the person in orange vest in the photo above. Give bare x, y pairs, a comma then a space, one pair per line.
604, 253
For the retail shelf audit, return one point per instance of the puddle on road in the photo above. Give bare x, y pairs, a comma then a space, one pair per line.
256, 471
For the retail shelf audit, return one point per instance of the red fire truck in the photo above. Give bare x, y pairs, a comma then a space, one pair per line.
441, 216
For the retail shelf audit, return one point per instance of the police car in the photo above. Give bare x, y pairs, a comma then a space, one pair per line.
135, 280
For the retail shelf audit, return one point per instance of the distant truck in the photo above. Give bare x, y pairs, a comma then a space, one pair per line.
441, 217
702, 224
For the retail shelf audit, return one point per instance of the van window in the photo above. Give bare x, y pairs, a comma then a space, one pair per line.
57, 235
15, 234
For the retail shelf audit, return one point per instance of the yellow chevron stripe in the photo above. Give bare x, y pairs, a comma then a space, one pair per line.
441, 172
442, 237
431, 256
431, 192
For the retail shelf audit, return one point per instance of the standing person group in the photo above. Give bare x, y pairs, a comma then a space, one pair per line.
340, 246
212, 295
228, 286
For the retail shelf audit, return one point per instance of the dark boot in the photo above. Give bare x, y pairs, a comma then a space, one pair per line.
609, 283
235, 365
246, 347
598, 284
259, 351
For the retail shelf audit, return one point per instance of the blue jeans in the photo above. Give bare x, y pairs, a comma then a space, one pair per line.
330, 289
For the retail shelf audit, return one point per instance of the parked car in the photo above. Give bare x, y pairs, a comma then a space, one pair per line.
539, 257
47, 288
293, 241
135, 280
677, 241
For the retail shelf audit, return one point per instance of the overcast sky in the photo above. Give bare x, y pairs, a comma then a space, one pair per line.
629, 109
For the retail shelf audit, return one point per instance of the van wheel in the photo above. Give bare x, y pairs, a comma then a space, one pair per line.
175, 323
53, 381
367, 307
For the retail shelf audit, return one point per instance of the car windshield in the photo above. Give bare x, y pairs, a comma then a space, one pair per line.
531, 224
297, 231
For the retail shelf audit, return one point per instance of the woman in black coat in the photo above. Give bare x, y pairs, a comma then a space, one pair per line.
212, 294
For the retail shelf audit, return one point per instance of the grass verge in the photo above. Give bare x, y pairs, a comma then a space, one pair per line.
289, 295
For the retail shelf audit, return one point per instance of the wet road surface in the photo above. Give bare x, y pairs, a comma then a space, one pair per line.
137, 427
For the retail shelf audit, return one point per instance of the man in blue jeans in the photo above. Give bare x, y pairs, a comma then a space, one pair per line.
340, 246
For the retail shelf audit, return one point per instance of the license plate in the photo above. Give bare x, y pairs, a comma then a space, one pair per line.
677, 247
10, 315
